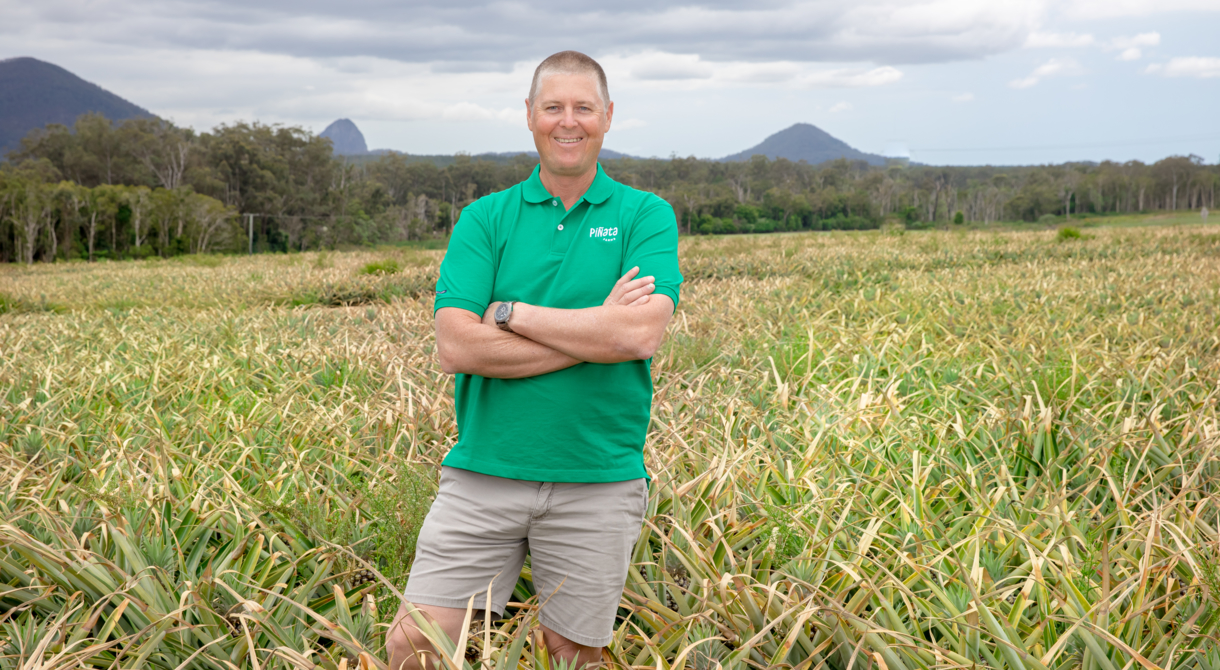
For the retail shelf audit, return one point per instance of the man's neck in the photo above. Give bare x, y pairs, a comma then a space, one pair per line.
568, 189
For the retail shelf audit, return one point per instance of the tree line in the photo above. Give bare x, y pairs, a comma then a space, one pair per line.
145, 187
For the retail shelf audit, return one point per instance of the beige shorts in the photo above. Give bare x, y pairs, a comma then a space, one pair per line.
579, 538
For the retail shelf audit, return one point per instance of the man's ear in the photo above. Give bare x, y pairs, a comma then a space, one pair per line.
529, 115
609, 116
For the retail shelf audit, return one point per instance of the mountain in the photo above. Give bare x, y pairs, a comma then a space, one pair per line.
34, 93
346, 138
807, 142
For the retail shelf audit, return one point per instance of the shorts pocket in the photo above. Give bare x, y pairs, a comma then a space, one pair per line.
637, 503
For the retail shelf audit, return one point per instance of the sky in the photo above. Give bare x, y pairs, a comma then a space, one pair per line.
945, 82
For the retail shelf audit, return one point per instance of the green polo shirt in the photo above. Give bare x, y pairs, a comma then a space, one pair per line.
586, 423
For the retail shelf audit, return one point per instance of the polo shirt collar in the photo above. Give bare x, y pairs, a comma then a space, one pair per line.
602, 188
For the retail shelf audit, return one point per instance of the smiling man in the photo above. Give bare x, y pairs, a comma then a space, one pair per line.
552, 298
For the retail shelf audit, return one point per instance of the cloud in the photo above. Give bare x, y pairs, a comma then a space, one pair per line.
664, 67
1192, 66
841, 107
461, 35
469, 111
1054, 67
1108, 9
1130, 53
690, 71
963, 97
1140, 40
850, 78
1040, 40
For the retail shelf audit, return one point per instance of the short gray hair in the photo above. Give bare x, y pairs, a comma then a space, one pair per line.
570, 62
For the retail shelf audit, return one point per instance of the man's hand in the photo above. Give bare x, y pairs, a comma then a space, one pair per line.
628, 291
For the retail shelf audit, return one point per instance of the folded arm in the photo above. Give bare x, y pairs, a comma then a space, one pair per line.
604, 334
627, 326
466, 344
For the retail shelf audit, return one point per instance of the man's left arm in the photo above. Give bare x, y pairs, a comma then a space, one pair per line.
603, 334
612, 332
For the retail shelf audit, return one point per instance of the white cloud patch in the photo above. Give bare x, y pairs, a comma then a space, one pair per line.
469, 111
1141, 40
840, 107
1130, 53
963, 97
850, 78
665, 67
1109, 9
1198, 67
1055, 67
1040, 40
689, 71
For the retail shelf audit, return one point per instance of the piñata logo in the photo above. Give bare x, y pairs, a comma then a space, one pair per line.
604, 234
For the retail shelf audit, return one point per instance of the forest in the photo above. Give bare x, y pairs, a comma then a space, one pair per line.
144, 187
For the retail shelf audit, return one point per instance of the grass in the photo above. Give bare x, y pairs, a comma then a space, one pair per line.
386, 266
935, 449
1068, 233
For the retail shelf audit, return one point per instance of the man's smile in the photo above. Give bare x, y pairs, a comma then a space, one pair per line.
568, 140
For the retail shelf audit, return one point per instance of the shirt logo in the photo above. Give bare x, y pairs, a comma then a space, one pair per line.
604, 234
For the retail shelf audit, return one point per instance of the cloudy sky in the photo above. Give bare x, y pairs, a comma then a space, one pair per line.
943, 81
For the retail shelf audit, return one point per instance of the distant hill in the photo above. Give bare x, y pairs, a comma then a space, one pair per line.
805, 142
34, 93
346, 138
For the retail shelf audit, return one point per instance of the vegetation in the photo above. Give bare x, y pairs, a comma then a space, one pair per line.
939, 448
146, 188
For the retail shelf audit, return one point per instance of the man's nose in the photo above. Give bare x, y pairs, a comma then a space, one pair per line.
569, 117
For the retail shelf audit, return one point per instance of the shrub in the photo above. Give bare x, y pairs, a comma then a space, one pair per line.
959, 218
201, 260
386, 266
359, 292
11, 305
1068, 233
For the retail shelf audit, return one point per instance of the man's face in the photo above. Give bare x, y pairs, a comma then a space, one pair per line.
569, 121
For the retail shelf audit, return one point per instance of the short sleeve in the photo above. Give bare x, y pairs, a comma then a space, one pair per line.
468, 270
653, 246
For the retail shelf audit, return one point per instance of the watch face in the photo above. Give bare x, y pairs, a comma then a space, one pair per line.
502, 312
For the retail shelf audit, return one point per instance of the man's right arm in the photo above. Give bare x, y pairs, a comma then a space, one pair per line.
465, 344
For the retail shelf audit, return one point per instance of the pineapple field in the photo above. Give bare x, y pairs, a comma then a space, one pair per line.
886, 450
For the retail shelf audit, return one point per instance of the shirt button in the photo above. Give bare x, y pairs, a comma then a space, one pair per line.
561, 226
554, 203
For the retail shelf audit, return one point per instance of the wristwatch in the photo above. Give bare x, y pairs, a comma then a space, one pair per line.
504, 312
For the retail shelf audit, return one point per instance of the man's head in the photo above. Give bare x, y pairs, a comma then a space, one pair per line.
569, 112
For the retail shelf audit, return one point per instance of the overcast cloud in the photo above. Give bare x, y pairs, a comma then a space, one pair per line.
705, 78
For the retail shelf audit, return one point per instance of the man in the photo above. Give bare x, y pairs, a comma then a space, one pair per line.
552, 298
